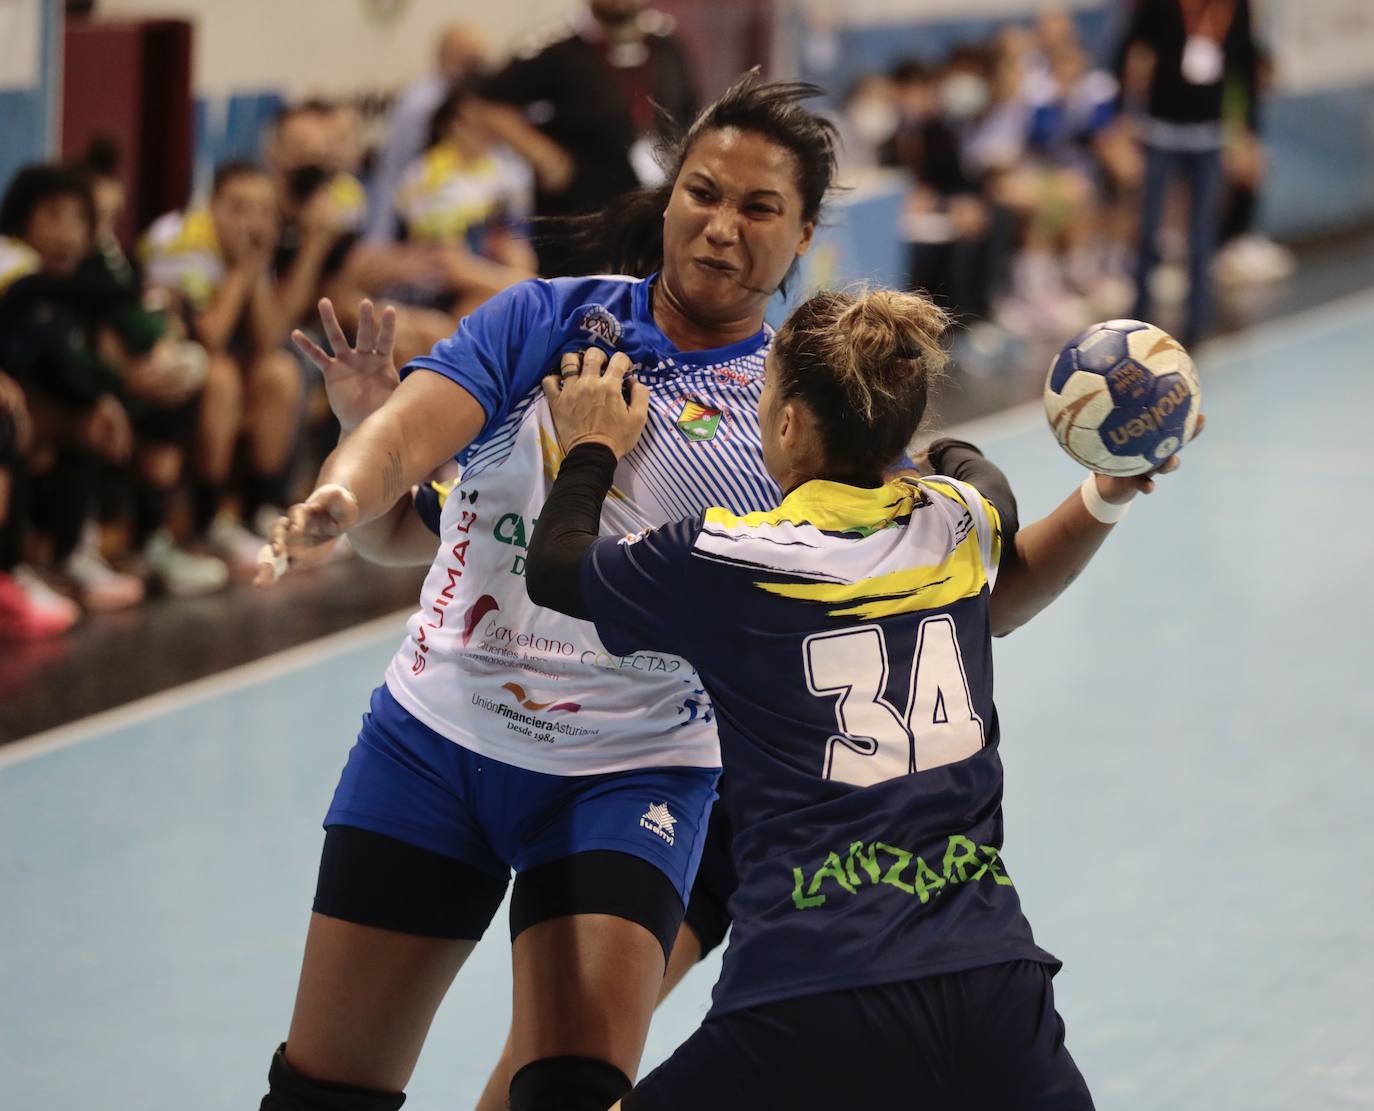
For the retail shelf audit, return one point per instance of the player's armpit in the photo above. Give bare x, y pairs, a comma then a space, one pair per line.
400, 538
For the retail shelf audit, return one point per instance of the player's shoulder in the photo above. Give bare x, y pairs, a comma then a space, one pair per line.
599, 304
554, 35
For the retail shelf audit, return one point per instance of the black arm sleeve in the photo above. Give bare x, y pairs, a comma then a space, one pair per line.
568, 523
960, 459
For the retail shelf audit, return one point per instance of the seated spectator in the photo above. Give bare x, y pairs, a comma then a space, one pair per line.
163, 373
215, 263
56, 342
1073, 139
320, 252
1046, 200
469, 198
461, 53
29, 608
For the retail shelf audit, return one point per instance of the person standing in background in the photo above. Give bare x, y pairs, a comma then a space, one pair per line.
592, 89
1177, 56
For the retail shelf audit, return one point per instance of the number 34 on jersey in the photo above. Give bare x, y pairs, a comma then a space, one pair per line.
874, 741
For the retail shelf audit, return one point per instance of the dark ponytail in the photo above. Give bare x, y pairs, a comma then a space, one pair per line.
627, 236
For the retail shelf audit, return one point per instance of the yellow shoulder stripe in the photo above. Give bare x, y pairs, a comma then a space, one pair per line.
828, 506
959, 575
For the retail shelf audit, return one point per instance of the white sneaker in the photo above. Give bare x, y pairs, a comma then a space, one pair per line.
232, 542
183, 574
100, 587
43, 597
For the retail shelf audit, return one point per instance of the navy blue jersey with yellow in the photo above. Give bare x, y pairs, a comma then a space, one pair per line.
844, 639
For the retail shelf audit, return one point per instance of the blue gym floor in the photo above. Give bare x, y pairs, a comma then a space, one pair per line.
1187, 740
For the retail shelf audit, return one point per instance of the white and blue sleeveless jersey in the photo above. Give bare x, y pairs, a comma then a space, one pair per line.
483, 665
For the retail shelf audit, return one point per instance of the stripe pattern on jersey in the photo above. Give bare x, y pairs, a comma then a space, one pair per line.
907, 546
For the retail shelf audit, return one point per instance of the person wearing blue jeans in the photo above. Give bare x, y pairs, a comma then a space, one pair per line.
1200, 170
1176, 58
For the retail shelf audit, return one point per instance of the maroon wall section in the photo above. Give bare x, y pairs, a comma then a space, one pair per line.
131, 82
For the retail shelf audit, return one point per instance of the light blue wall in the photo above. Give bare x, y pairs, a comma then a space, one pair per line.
230, 128
1321, 162
28, 117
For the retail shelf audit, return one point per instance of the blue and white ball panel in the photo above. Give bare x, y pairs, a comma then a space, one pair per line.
1122, 397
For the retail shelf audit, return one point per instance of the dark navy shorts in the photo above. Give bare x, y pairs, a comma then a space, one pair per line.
481, 818
708, 911
986, 1039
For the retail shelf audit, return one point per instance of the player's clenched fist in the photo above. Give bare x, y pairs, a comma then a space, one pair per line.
587, 401
323, 517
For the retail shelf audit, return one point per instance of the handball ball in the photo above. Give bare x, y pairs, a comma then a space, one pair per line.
1122, 396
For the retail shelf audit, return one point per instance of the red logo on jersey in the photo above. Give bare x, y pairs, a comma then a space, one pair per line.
479, 609
549, 707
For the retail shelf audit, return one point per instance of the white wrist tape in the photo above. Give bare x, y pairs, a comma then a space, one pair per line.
278, 563
1101, 510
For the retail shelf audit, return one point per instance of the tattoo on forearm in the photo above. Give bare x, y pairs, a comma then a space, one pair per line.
391, 477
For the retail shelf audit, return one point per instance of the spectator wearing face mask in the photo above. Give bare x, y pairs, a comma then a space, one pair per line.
868, 120
320, 251
945, 219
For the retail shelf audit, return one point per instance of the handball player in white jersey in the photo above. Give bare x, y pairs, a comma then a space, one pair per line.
507, 737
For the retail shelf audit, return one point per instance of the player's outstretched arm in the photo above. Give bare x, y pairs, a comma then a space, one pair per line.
356, 389
1048, 554
422, 422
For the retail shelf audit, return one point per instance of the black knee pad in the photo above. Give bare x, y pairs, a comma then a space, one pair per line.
567, 1084
288, 1090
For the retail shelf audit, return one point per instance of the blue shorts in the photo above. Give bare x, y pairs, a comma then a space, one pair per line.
405, 781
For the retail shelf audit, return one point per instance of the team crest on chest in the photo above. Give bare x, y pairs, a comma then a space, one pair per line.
598, 321
698, 421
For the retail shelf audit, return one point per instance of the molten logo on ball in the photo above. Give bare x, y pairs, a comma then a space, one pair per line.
1153, 418
1122, 397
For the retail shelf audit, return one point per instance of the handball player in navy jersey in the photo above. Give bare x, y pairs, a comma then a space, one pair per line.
879, 956
507, 737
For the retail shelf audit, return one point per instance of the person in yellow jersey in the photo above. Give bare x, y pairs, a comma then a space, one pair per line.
214, 263
321, 252
467, 190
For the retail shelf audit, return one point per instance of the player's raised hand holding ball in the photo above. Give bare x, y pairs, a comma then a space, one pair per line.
1123, 398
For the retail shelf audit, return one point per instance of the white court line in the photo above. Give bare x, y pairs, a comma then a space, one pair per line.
1008, 422
198, 690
